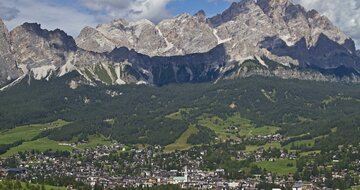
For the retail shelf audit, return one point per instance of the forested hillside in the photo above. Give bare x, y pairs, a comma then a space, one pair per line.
159, 115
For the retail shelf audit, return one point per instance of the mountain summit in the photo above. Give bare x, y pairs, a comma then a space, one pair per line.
244, 28
252, 37
8, 69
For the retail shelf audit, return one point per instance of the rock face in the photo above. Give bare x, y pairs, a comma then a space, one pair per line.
200, 67
252, 37
187, 34
182, 35
242, 28
41, 52
288, 21
8, 68
249, 22
142, 36
325, 54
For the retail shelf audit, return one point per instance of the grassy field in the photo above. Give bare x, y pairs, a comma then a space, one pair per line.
179, 114
42, 144
181, 142
355, 188
234, 126
310, 152
45, 144
308, 143
281, 167
95, 140
225, 129
27, 132
30, 186
251, 148
252, 131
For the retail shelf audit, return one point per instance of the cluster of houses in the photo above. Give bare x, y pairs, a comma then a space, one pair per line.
267, 138
147, 167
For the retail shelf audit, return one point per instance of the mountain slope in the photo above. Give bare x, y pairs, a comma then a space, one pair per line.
241, 28
8, 68
142, 114
41, 52
252, 37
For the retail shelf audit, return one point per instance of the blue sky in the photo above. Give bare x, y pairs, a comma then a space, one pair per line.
73, 15
210, 7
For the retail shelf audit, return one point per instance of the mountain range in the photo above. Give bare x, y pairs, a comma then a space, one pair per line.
252, 37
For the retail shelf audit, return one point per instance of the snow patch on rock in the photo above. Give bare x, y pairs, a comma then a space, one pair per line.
220, 41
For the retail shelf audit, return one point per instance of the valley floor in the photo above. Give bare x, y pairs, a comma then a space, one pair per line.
248, 157
252, 133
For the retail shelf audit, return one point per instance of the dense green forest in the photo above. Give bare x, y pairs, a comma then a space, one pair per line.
139, 114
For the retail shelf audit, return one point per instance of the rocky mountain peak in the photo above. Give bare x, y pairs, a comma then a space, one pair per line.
186, 34
182, 16
4, 34
119, 22
281, 9
3, 28
231, 13
40, 52
201, 15
194, 46
123, 24
33, 28
91, 39
8, 68
313, 14
58, 38
274, 3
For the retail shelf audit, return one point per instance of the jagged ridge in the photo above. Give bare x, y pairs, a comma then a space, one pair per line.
188, 48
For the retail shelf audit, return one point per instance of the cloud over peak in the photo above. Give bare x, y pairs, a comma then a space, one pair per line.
154, 10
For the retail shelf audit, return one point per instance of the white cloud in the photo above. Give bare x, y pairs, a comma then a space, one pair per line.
154, 10
50, 16
8, 13
79, 13
343, 13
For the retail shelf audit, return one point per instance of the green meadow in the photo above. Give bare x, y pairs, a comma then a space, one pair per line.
41, 145
306, 143
251, 148
7, 185
280, 167
181, 142
95, 140
27, 132
234, 127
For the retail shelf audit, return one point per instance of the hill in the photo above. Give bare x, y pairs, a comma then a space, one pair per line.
140, 114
